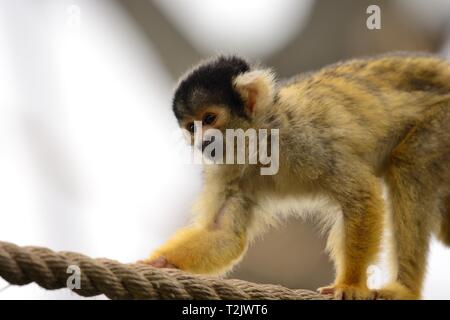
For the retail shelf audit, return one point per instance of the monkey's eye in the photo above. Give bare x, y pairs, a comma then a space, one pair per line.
209, 118
191, 127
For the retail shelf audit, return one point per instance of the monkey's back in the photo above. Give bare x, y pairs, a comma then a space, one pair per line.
368, 105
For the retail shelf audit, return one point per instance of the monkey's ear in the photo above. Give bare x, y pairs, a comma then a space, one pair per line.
256, 89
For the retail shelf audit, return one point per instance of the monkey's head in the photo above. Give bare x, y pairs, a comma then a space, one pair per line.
222, 93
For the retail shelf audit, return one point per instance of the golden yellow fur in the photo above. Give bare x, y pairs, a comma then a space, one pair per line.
342, 128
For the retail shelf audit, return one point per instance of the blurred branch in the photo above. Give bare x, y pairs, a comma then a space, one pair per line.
174, 50
337, 30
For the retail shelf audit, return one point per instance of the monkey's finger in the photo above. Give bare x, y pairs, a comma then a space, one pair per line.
160, 262
339, 294
326, 290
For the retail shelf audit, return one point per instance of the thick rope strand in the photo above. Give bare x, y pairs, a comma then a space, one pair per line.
24, 265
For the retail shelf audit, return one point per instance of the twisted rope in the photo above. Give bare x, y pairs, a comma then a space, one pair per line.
23, 265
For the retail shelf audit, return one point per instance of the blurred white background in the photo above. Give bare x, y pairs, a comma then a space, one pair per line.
86, 123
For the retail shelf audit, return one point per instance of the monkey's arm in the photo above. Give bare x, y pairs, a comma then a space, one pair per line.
217, 239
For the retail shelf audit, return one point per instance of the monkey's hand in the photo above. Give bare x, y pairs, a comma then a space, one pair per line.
200, 250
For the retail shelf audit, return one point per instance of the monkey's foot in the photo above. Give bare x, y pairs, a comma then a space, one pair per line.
348, 292
159, 262
396, 291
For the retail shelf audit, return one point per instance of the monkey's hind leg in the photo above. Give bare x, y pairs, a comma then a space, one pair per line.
354, 241
418, 173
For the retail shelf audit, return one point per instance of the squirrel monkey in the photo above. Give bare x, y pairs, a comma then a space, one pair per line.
341, 130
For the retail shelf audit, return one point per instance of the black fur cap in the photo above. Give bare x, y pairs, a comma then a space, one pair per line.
210, 83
